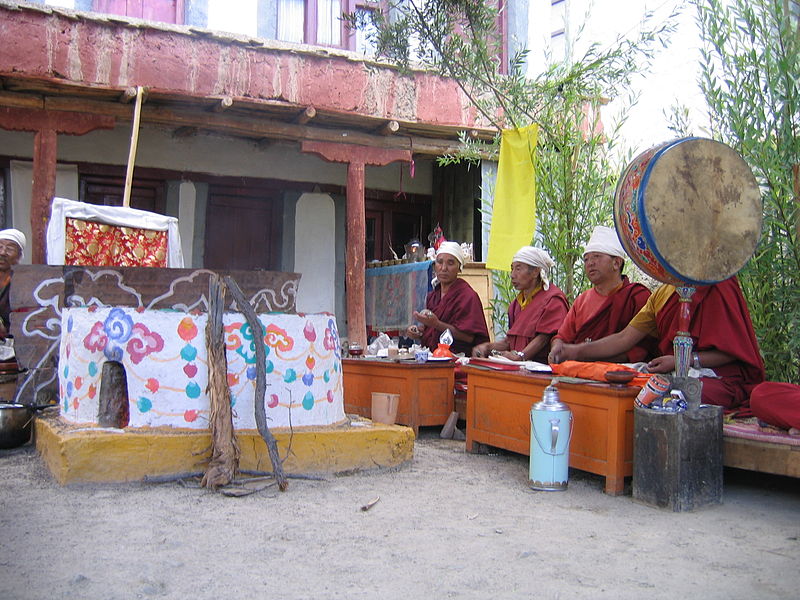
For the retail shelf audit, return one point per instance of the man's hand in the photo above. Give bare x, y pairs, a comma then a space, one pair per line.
482, 350
413, 332
555, 351
427, 318
662, 364
562, 352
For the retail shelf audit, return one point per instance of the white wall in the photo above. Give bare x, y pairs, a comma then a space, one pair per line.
315, 253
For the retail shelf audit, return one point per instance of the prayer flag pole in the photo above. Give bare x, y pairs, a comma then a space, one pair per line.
137, 113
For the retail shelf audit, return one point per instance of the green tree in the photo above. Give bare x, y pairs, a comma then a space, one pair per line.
575, 167
751, 80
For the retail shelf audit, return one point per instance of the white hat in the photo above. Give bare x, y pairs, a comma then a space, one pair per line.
452, 248
605, 241
536, 257
16, 236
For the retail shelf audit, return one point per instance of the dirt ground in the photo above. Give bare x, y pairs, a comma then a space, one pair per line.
448, 525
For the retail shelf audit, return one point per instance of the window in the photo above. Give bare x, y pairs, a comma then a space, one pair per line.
558, 30
234, 16
319, 23
165, 11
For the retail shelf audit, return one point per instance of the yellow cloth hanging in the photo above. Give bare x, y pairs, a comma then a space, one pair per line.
514, 207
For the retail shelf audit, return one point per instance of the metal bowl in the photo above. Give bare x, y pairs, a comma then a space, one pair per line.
15, 424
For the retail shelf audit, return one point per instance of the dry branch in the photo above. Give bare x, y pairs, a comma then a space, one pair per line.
261, 381
224, 461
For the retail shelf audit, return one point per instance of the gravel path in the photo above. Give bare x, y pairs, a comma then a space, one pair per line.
449, 525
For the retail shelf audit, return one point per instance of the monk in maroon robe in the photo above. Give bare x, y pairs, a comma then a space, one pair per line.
777, 404
723, 336
452, 305
609, 305
535, 314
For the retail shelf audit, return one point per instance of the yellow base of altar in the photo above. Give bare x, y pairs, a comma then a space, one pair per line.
82, 454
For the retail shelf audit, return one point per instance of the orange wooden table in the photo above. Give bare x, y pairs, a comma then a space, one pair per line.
426, 390
498, 414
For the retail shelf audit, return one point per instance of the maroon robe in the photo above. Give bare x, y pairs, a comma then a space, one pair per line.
614, 315
777, 404
461, 308
719, 321
543, 314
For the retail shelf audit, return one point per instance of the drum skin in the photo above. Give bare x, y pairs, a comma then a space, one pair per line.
688, 212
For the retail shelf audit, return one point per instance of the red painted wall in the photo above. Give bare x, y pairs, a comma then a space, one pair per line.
94, 52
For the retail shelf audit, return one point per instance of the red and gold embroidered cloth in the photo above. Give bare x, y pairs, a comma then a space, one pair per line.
96, 244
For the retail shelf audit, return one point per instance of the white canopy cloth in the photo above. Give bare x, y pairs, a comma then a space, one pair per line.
118, 216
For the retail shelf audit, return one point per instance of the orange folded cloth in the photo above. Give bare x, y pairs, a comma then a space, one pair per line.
596, 371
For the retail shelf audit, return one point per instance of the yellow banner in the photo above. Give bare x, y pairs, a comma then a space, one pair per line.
514, 207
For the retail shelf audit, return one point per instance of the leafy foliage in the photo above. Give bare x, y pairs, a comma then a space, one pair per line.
751, 80
575, 171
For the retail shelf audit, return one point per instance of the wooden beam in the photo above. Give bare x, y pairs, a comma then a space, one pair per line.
308, 113
35, 119
224, 104
389, 128
128, 95
249, 127
15, 100
184, 132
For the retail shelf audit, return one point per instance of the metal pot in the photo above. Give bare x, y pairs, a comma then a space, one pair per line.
15, 424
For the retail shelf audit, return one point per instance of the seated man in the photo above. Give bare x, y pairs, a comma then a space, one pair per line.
12, 245
609, 305
777, 404
452, 304
537, 312
723, 336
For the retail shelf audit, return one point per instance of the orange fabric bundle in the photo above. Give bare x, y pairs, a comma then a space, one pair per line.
596, 371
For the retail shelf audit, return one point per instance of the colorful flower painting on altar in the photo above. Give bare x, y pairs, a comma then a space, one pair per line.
164, 356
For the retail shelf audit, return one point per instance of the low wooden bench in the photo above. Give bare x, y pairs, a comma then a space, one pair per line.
746, 447
498, 414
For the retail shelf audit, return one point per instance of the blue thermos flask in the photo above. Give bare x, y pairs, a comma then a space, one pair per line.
551, 430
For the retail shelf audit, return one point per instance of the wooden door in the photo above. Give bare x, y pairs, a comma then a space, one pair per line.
243, 229
373, 235
108, 190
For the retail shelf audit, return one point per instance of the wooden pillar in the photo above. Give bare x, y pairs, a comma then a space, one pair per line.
355, 257
46, 125
45, 145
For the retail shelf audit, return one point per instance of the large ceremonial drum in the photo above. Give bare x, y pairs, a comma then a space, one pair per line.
688, 212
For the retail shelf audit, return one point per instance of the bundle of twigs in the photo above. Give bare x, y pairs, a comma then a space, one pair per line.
224, 461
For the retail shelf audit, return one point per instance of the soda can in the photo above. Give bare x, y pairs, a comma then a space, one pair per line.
656, 387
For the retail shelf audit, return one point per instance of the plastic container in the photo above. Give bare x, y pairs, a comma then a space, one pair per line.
384, 407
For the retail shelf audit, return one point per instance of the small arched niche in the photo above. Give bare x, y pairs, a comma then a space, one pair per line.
112, 408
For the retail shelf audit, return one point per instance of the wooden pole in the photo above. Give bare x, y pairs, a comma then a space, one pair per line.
355, 259
137, 114
44, 188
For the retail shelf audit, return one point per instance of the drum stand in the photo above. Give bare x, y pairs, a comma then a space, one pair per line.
678, 456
